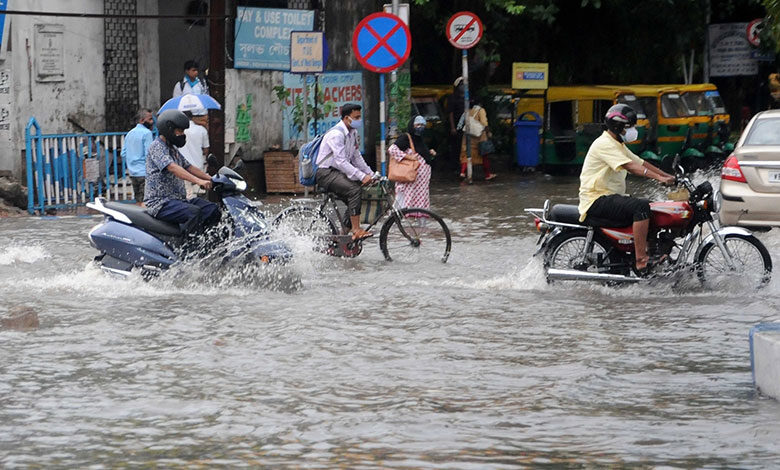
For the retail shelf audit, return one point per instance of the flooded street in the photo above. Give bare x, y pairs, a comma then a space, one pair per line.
476, 363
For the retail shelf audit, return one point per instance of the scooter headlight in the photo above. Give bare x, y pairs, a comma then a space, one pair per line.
240, 184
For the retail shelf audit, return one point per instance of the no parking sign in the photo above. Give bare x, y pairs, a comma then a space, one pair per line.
382, 42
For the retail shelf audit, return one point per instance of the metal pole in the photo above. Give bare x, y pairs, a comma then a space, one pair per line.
305, 107
216, 79
394, 87
706, 58
465, 64
382, 160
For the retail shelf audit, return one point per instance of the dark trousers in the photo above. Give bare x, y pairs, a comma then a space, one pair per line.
623, 210
336, 182
191, 215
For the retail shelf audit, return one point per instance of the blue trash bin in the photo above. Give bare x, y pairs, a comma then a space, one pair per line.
527, 139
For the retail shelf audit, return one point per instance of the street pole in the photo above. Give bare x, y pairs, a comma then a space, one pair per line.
706, 58
216, 78
382, 160
465, 66
394, 87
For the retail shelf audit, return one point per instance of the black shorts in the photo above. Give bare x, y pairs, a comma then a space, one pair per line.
623, 210
139, 184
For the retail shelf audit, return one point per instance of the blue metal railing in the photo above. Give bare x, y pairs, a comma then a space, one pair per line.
69, 170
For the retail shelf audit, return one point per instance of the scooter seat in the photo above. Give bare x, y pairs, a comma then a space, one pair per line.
140, 218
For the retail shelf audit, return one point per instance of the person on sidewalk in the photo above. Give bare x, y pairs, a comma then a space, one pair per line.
197, 147
341, 168
603, 179
191, 83
479, 119
166, 172
134, 149
411, 145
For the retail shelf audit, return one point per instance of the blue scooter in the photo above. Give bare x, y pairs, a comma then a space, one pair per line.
129, 238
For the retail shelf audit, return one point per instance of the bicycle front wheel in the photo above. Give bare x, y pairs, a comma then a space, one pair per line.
414, 235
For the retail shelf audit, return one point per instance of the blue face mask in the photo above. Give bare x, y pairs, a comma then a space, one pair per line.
356, 123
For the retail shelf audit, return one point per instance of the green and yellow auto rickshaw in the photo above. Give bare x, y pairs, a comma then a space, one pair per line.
670, 127
711, 135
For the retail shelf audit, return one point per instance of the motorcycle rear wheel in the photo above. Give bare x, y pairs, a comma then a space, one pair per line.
751, 258
567, 251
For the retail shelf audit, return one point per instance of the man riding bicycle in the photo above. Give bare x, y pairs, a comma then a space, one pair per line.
342, 169
603, 179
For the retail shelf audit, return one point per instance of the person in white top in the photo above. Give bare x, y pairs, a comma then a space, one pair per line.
196, 147
341, 168
190, 84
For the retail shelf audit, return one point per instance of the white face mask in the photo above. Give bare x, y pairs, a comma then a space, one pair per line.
631, 135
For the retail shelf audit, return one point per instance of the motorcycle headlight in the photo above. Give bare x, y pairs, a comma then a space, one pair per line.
717, 200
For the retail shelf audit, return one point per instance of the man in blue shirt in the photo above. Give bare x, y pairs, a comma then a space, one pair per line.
134, 150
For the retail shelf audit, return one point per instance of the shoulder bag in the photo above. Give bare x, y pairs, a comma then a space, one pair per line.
404, 171
473, 126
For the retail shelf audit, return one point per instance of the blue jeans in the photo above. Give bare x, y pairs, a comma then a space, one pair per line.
191, 215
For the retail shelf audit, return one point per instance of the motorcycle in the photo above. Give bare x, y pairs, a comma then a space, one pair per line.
676, 243
129, 238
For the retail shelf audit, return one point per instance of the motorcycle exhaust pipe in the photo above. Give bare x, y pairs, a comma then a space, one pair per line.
574, 275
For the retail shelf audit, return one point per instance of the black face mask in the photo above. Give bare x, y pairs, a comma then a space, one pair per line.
418, 130
178, 140
148, 125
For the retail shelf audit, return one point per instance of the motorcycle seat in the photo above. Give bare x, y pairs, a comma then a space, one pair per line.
142, 219
570, 214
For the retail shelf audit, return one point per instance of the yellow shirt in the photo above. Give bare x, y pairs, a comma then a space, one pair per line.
602, 171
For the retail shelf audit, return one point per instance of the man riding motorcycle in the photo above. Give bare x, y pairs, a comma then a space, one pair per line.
603, 180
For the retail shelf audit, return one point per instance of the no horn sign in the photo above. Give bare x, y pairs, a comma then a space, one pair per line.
381, 42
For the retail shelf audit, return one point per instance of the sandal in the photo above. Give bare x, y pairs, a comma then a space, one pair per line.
490, 177
360, 234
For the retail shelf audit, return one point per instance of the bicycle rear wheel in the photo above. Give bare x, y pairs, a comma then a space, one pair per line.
414, 235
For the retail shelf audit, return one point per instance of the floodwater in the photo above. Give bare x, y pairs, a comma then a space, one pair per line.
477, 363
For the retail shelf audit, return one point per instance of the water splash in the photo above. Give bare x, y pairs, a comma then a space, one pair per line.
23, 254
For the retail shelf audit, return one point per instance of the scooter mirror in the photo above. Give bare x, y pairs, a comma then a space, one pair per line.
212, 160
239, 166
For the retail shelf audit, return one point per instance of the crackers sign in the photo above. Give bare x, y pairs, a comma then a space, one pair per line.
382, 42
464, 30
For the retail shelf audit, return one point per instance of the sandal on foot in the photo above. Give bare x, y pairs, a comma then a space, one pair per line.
360, 235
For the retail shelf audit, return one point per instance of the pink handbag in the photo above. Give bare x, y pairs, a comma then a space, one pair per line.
404, 171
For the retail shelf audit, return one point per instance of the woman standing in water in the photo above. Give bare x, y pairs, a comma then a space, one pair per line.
410, 144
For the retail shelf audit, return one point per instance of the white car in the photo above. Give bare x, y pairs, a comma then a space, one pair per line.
750, 177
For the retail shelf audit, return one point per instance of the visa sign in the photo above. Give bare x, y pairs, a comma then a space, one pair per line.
529, 75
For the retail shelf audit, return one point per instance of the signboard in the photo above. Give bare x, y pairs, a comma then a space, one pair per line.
753, 31
49, 53
730, 51
308, 52
381, 42
263, 36
464, 30
338, 88
3, 36
530, 75
403, 11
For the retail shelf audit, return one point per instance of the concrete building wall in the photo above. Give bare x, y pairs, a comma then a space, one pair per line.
58, 106
265, 129
76, 103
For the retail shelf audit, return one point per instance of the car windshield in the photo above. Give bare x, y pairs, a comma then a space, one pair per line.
715, 102
672, 106
634, 103
697, 103
426, 109
764, 132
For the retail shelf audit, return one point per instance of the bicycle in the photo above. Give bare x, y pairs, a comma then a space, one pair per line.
410, 233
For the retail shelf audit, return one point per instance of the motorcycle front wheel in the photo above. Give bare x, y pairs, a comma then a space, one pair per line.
752, 263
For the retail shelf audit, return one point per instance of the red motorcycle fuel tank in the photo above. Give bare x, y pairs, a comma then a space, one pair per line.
670, 214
